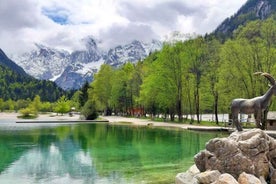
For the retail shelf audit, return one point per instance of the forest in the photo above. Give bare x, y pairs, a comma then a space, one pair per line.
199, 75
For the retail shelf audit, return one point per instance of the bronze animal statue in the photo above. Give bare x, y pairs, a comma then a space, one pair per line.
255, 106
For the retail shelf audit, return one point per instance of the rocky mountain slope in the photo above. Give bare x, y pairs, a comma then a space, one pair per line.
251, 10
6, 62
71, 70
16, 84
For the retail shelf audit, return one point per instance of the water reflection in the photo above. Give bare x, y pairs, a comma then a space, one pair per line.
97, 153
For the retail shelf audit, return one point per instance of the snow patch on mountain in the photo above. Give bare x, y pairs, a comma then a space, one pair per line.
72, 70
90, 67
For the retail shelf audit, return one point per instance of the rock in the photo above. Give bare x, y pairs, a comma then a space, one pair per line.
208, 176
251, 151
263, 180
188, 176
226, 179
273, 177
245, 178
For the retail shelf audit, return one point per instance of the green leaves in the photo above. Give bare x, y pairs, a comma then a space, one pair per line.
62, 105
15, 86
192, 77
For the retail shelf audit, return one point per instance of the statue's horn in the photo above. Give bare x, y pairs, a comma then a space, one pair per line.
258, 73
269, 77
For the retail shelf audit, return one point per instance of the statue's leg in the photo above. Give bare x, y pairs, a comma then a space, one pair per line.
236, 121
258, 117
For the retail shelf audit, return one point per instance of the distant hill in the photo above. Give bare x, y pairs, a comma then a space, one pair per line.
16, 84
251, 10
5, 61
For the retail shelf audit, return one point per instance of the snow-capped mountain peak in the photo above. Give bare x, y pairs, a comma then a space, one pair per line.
72, 70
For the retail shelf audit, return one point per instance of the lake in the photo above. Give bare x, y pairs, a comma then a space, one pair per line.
96, 153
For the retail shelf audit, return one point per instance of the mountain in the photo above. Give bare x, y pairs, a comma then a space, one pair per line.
251, 10
72, 70
6, 62
16, 84
132, 52
43, 62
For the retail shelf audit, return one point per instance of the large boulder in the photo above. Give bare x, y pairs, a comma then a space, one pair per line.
252, 152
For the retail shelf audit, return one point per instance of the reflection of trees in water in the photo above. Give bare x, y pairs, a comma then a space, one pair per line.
97, 151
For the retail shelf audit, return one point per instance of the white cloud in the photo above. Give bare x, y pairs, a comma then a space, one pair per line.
62, 24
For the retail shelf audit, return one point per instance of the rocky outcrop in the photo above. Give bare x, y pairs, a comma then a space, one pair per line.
244, 157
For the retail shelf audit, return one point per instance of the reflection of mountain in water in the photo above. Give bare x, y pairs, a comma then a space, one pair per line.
61, 162
95, 153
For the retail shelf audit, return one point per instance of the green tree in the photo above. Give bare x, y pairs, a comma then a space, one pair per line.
162, 87
10, 105
36, 103
62, 105
125, 90
209, 87
100, 92
82, 94
1, 104
46, 107
89, 110
195, 59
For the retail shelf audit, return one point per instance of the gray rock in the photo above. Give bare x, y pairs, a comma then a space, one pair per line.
250, 151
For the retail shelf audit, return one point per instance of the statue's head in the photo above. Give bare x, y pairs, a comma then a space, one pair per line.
271, 80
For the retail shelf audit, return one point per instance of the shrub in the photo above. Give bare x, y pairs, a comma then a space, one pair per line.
89, 110
28, 113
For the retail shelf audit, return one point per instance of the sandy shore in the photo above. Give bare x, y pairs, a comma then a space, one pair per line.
12, 116
146, 122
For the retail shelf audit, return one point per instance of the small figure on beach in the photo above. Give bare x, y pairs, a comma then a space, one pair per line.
255, 106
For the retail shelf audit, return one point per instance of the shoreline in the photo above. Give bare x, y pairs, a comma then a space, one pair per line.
52, 118
146, 122
12, 117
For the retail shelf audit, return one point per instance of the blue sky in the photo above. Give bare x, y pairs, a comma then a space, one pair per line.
63, 24
58, 15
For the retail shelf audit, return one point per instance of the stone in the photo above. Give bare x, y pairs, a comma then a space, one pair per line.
273, 177
188, 176
251, 151
226, 179
208, 177
245, 178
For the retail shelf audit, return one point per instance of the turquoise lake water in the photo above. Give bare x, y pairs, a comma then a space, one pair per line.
96, 153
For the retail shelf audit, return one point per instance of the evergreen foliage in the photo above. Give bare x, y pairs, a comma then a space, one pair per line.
15, 86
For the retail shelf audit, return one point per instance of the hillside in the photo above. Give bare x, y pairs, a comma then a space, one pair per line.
251, 10
16, 84
5, 61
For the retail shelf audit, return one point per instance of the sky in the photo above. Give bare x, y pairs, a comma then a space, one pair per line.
64, 24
